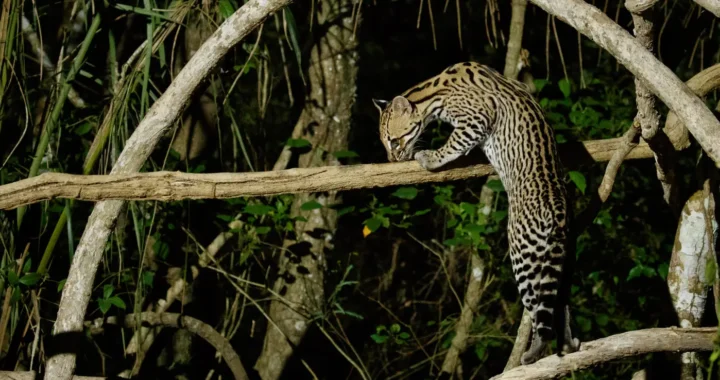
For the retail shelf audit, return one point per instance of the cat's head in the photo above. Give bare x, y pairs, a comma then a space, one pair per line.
400, 127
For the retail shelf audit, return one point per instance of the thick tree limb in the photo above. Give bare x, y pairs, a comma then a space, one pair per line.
593, 23
193, 325
32, 375
691, 255
701, 84
167, 186
160, 117
616, 347
712, 6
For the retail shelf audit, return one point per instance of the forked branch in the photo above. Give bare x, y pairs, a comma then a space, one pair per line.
691, 110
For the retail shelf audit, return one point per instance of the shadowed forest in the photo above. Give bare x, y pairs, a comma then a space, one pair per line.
392, 278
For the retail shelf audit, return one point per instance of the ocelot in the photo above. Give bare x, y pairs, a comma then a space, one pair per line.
501, 116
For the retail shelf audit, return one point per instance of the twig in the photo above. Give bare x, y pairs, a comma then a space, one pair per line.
615, 347
191, 324
32, 37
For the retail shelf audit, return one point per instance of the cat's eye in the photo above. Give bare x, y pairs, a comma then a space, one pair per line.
394, 144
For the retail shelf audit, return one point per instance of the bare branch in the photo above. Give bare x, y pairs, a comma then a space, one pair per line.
591, 22
32, 375
615, 347
163, 113
712, 6
167, 186
701, 84
191, 324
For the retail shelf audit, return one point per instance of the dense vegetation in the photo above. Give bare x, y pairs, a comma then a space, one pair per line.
399, 261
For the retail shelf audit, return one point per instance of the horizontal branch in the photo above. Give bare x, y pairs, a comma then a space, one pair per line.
615, 347
32, 375
168, 186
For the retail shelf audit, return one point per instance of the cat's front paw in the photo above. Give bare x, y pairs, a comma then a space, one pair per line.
426, 160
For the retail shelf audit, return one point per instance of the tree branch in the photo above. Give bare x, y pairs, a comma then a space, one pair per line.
615, 347
167, 186
195, 326
712, 6
163, 113
591, 22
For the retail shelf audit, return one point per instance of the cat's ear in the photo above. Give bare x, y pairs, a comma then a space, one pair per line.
401, 104
380, 104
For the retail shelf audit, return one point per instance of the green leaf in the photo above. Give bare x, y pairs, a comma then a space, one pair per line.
480, 351
148, 277
16, 295
83, 129
226, 8
379, 339
540, 84
499, 215
345, 154
104, 305
564, 86
584, 323
373, 224
710, 269
495, 185
262, 230
345, 210
107, 291
579, 180
602, 319
30, 279
225, 217
311, 205
297, 143
637, 271
403, 335
406, 193
395, 328
294, 45
258, 209
117, 301
27, 266
662, 270
61, 285
12, 277
422, 212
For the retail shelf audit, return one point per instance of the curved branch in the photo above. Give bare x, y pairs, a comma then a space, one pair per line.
77, 290
176, 320
615, 347
593, 23
167, 186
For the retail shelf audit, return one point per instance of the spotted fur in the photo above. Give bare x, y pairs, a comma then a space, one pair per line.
498, 114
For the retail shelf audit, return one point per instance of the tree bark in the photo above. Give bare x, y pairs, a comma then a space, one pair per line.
78, 287
692, 253
325, 122
591, 22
